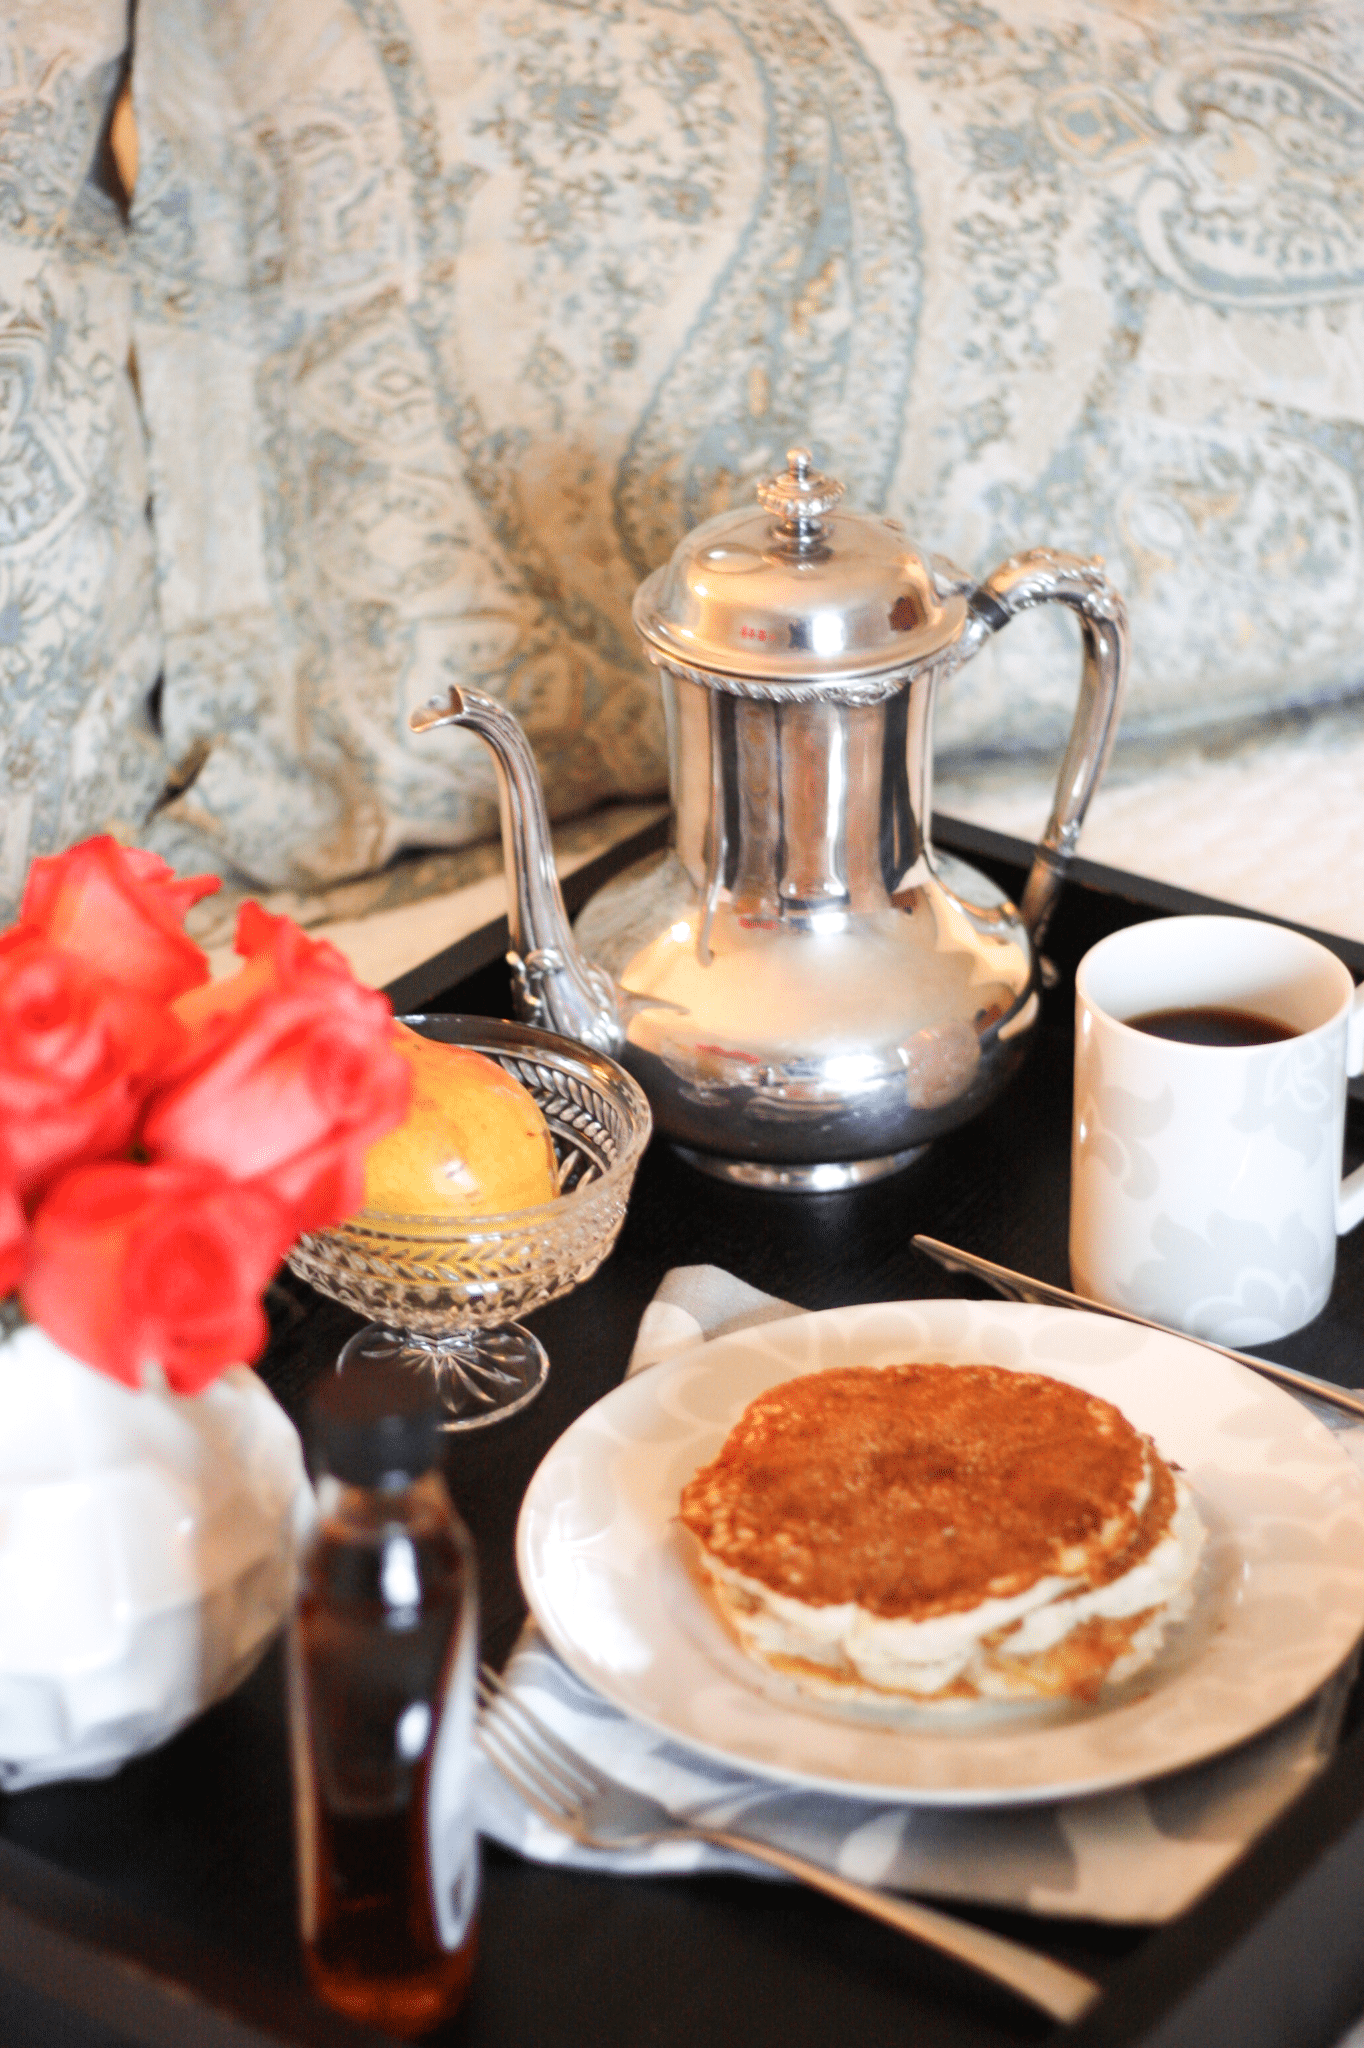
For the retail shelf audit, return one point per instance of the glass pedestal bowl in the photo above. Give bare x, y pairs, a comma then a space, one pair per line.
443, 1292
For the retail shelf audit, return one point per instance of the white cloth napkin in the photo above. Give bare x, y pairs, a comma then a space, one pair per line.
1138, 1855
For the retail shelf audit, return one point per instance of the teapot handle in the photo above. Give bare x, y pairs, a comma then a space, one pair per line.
1045, 576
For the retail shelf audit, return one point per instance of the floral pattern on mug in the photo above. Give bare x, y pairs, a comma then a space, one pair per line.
1295, 1094
1111, 1125
1239, 1282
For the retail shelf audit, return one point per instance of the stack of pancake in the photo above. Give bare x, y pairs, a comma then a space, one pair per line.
944, 1533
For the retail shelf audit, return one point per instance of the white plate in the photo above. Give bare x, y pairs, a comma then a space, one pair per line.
609, 1574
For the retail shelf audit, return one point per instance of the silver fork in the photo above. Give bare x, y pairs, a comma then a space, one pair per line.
568, 1793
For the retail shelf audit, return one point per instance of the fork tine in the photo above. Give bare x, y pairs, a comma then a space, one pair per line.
510, 1767
513, 1748
506, 1751
536, 1738
517, 1724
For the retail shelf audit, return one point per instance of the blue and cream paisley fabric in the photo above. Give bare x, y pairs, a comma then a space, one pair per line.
79, 640
451, 316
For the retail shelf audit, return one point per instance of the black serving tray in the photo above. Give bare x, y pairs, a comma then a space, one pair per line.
157, 1907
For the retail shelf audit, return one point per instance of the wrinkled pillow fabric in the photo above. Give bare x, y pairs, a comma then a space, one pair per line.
79, 641
453, 315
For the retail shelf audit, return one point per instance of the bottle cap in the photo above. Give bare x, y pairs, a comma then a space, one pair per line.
376, 1418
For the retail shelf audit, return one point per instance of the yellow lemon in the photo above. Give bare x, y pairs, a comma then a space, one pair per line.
473, 1142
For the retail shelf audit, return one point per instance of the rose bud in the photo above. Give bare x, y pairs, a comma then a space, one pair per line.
276, 953
121, 911
135, 1267
77, 1055
291, 1076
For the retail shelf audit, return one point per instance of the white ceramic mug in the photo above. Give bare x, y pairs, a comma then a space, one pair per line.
1205, 1180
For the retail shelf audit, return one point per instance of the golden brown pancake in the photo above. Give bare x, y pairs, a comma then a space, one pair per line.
942, 1531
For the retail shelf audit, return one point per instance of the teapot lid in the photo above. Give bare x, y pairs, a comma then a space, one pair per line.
791, 591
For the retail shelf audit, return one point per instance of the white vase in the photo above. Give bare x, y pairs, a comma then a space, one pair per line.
147, 1555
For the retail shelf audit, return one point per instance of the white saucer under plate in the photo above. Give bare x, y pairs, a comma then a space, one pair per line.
609, 1572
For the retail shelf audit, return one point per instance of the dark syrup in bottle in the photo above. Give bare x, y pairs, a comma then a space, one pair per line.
382, 1655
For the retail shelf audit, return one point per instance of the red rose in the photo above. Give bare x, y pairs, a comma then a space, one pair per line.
291, 1076
119, 910
76, 1059
135, 1266
13, 1231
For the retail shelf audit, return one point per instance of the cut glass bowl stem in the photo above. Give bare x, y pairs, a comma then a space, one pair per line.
481, 1375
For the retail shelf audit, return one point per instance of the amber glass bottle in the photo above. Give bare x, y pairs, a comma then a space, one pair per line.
382, 1653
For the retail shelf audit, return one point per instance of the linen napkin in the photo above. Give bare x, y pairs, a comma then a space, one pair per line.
1138, 1855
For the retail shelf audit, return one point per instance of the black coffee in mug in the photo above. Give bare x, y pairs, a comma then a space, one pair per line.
1212, 1024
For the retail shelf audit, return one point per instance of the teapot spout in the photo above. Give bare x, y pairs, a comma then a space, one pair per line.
555, 987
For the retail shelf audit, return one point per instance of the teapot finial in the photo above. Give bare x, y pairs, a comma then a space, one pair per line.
799, 496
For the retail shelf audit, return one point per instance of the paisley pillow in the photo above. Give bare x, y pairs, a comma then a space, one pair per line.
454, 314
79, 644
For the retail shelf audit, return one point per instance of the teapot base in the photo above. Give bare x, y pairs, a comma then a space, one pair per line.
824, 1178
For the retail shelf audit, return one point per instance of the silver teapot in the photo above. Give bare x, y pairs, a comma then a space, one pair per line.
807, 990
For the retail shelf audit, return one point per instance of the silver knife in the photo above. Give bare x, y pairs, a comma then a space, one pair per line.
1018, 1287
